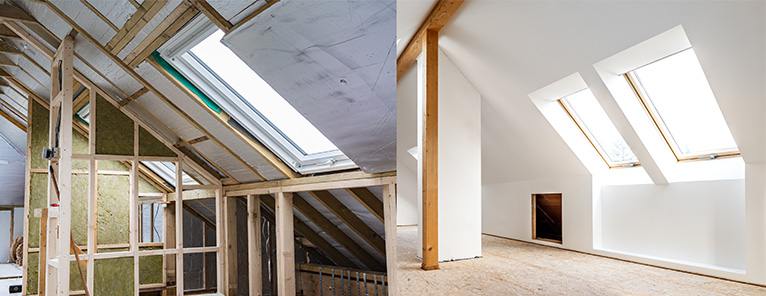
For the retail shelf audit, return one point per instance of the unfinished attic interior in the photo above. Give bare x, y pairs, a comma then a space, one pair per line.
193, 147
581, 147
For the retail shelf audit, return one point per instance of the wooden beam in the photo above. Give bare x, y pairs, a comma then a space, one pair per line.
43, 255
436, 19
285, 245
213, 15
191, 142
134, 96
230, 223
100, 15
369, 201
6, 33
429, 149
137, 21
389, 201
322, 182
304, 230
254, 270
6, 47
336, 234
351, 220
5, 61
166, 29
14, 13
5, 74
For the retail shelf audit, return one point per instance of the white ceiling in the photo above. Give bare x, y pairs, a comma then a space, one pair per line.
509, 49
409, 16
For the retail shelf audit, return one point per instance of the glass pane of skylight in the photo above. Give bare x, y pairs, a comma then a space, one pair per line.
602, 131
681, 95
261, 96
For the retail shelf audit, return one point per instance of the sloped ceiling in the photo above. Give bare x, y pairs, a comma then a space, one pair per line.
508, 49
172, 112
335, 62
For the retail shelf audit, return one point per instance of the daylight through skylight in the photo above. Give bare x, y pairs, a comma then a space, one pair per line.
678, 96
260, 96
596, 125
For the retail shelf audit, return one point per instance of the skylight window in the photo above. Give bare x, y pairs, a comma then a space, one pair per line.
259, 96
675, 92
227, 84
593, 121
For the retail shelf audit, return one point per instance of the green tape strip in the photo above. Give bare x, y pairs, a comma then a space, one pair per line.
165, 65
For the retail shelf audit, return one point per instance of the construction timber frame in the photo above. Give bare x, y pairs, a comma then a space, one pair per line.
23, 27
284, 197
55, 247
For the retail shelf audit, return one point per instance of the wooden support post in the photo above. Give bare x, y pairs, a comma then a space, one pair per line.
179, 228
389, 209
429, 149
169, 234
41, 268
220, 241
134, 213
254, 245
62, 79
230, 214
285, 245
92, 194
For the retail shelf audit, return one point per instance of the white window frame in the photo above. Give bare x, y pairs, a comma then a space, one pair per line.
175, 52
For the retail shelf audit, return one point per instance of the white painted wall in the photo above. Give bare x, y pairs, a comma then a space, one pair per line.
459, 160
406, 138
459, 164
507, 210
698, 222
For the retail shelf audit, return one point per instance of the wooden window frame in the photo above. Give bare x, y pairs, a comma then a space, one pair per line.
592, 140
667, 136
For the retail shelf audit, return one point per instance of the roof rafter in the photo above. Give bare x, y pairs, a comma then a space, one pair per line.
438, 17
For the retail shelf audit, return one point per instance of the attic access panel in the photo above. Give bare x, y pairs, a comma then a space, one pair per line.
546, 217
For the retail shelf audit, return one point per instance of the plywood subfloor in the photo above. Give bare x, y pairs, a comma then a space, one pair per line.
515, 268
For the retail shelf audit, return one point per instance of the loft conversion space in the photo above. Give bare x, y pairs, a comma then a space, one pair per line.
197, 147
581, 148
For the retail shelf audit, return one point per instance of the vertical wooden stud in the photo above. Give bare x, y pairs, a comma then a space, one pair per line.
92, 193
389, 212
285, 245
220, 239
254, 245
231, 244
134, 204
179, 228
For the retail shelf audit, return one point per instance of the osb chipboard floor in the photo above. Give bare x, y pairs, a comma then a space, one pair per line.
514, 268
